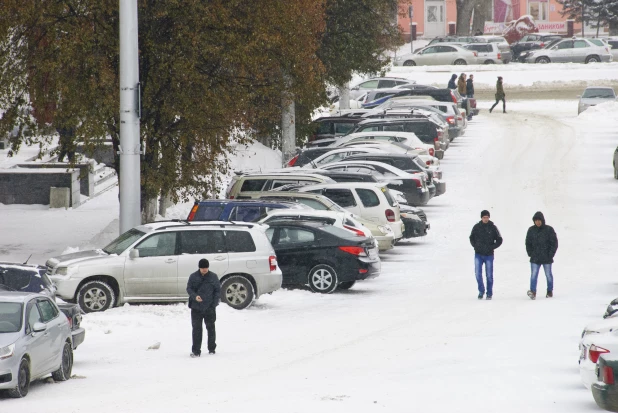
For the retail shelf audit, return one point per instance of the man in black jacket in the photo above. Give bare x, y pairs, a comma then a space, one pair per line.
541, 245
485, 238
204, 291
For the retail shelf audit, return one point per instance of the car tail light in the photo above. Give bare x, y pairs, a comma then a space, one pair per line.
365, 271
354, 230
432, 152
428, 163
70, 320
542, 44
418, 183
499, 56
459, 117
292, 161
451, 120
193, 211
390, 215
594, 352
272, 261
453, 97
608, 375
358, 251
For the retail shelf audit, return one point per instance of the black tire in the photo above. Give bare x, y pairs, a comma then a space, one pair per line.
66, 365
460, 62
322, 279
409, 63
23, 380
489, 62
96, 296
593, 59
237, 292
507, 61
346, 285
542, 60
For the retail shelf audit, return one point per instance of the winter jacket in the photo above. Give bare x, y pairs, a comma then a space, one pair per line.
499, 91
469, 87
461, 86
541, 242
451, 83
207, 287
485, 238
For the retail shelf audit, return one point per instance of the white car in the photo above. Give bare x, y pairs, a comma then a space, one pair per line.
338, 219
597, 338
377, 83
594, 95
438, 54
571, 50
339, 154
152, 263
370, 201
408, 139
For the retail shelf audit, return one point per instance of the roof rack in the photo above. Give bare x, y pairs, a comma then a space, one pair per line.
211, 224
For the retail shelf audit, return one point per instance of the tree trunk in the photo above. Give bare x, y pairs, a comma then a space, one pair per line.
288, 130
164, 202
149, 211
613, 28
344, 96
482, 13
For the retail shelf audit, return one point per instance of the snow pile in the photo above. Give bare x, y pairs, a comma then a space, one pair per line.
602, 112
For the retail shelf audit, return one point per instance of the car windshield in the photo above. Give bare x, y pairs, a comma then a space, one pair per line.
10, 317
598, 94
121, 243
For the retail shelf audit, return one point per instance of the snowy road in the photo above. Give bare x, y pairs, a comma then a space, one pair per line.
416, 338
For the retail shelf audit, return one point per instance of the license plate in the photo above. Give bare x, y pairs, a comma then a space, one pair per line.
372, 252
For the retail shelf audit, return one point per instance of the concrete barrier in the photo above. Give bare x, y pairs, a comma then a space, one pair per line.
32, 186
59, 197
86, 173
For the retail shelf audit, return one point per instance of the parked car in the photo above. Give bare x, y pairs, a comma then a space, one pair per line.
322, 256
338, 154
243, 210
407, 138
571, 50
490, 53
26, 278
261, 182
326, 127
377, 83
135, 267
613, 42
453, 39
35, 340
532, 41
612, 308
414, 220
598, 338
615, 163
437, 55
604, 389
338, 219
593, 95
304, 156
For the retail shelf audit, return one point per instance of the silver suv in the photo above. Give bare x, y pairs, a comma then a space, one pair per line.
152, 263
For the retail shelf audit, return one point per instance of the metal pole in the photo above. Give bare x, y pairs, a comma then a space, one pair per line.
411, 38
130, 210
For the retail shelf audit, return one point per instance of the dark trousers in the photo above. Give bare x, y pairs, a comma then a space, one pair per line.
209, 318
503, 104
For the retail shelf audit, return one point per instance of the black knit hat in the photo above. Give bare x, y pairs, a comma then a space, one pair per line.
484, 213
204, 263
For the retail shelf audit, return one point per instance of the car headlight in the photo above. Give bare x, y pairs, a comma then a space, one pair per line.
6, 352
66, 271
384, 229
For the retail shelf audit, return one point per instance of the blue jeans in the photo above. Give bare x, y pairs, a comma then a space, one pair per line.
534, 275
488, 260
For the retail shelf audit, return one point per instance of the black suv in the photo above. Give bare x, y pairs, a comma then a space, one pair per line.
531, 41
328, 127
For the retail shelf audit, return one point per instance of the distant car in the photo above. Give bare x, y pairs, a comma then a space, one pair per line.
322, 256
615, 163
612, 308
571, 51
338, 219
243, 210
377, 83
453, 39
532, 41
594, 95
262, 182
414, 220
604, 389
26, 278
613, 43
598, 338
331, 126
304, 156
490, 53
438, 55
35, 340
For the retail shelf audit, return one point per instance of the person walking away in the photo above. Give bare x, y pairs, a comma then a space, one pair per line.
461, 85
541, 246
470, 86
451, 83
204, 290
500, 95
485, 238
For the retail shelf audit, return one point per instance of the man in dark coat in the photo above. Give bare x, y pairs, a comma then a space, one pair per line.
485, 238
204, 290
541, 245
500, 95
470, 86
452, 83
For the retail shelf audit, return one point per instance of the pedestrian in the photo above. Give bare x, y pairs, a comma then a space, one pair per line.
470, 86
461, 84
500, 95
451, 83
204, 289
541, 245
485, 238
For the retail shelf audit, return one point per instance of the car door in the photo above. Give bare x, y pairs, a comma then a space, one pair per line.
428, 56
447, 55
562, 52
36, 344
245, 213
344, 198
155, 272
198, 244
296, 250
50, 316
371, 208
581, 50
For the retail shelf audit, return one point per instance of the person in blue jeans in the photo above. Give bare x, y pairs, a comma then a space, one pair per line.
485, 238
541, 246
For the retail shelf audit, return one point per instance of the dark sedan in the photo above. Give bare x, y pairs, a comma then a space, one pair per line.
26, 278
605, 391
322, 256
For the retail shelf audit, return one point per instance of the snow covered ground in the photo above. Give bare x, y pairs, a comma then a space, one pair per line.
414, 339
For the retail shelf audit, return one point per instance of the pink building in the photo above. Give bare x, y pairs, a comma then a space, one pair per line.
432, 17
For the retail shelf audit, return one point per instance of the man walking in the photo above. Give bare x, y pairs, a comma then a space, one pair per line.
541, 245
500, 95
485, 238
204, 289
470, 87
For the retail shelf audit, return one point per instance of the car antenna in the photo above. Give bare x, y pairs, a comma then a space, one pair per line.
315, 166
28, 259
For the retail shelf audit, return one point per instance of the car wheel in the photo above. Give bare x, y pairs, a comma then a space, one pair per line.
346, 285
237, 292
409, 63
96, 296
489, 62
542, 60
66, 366
23, 380
323, 279
460, 62
593, 59
507, 61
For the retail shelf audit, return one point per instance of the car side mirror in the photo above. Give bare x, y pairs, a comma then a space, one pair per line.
133, 254
38, 327
355, 88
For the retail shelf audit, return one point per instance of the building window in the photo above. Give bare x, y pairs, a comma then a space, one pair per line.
538, 10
